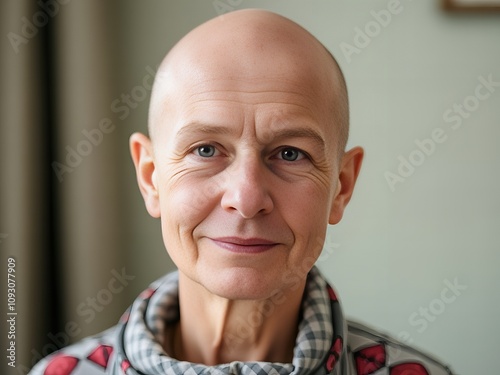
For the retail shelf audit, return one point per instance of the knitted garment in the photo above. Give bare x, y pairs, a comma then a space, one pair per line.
326, 343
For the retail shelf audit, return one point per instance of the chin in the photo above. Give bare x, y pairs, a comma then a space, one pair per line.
241, 284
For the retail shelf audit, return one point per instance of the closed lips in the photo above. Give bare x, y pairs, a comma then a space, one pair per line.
244, 245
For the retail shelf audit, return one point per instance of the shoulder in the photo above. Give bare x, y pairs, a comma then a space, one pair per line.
370, 350
90, 356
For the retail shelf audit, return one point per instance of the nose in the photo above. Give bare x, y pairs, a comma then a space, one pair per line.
246, 189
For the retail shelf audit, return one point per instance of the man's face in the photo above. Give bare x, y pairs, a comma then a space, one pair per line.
246, 169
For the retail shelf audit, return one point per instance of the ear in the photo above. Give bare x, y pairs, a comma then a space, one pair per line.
350, 166
141, 150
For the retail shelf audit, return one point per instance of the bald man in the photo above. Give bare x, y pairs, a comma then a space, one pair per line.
245, 167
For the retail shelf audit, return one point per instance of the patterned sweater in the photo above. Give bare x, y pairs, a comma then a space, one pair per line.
326, 343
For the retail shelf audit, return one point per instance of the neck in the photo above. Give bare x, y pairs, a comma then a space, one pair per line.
215, 330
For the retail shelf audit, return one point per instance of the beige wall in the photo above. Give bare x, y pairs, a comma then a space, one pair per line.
396, 252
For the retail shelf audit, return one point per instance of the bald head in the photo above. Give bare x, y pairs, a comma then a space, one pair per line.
248, 47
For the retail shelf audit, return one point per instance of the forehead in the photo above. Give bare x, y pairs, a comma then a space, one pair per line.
270, 88
268, 107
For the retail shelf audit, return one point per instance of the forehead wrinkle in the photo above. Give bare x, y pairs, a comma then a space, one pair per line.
256, 104
234, 93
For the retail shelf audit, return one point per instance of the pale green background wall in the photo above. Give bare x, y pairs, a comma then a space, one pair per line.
395, 250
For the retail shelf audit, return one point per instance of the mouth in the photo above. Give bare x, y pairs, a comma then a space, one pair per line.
244, 245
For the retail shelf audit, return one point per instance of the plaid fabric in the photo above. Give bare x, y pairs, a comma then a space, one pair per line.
323, 345
159, 307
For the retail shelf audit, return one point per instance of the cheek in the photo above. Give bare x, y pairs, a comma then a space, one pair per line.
306, 211
306, 202
183, 207
186, 201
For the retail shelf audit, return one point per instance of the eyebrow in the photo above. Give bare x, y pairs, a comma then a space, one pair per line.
197, 128
295, 132
301, 133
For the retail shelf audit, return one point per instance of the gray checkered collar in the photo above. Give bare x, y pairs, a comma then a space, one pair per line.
318, 350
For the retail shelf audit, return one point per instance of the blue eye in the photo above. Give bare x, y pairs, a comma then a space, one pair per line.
290, 154
205, 151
